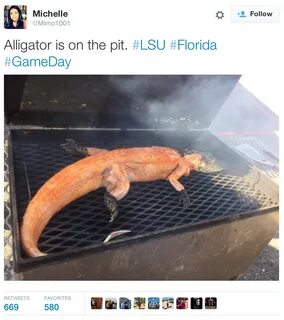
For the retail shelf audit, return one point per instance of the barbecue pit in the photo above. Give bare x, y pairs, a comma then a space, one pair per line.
232, 214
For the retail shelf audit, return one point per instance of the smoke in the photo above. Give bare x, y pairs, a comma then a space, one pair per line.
178, 103
174, 102
242, 112
247, 124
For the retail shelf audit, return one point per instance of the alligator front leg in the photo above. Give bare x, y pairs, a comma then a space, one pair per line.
184, 198
115, 179
181, 170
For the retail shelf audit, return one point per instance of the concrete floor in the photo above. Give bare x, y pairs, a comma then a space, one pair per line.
266, 266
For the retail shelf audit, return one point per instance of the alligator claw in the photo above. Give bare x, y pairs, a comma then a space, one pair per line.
113, 215
111, 204
72, 147
184, 198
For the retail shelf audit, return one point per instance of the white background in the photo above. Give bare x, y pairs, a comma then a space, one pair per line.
254, 50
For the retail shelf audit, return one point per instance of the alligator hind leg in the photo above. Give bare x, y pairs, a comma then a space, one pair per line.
115, 179
111, 204
73, 148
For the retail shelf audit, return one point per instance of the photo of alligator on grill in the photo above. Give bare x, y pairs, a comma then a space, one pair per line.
145, 177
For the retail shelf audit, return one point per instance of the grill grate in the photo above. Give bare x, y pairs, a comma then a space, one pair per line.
149, 208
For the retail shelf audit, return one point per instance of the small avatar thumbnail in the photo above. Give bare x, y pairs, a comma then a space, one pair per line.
111, 303
139, 303
211, 303
168, 303
153, 303
96, 303
182, 303
124, 303
196, 303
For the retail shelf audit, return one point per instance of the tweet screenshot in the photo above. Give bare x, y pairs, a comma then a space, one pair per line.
140, 146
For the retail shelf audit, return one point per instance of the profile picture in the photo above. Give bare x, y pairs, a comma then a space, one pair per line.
168, 303
154, 303
182, 303
124, 303
211, 303
111, 303
96, 302
196, 303
139, 303
15, 17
